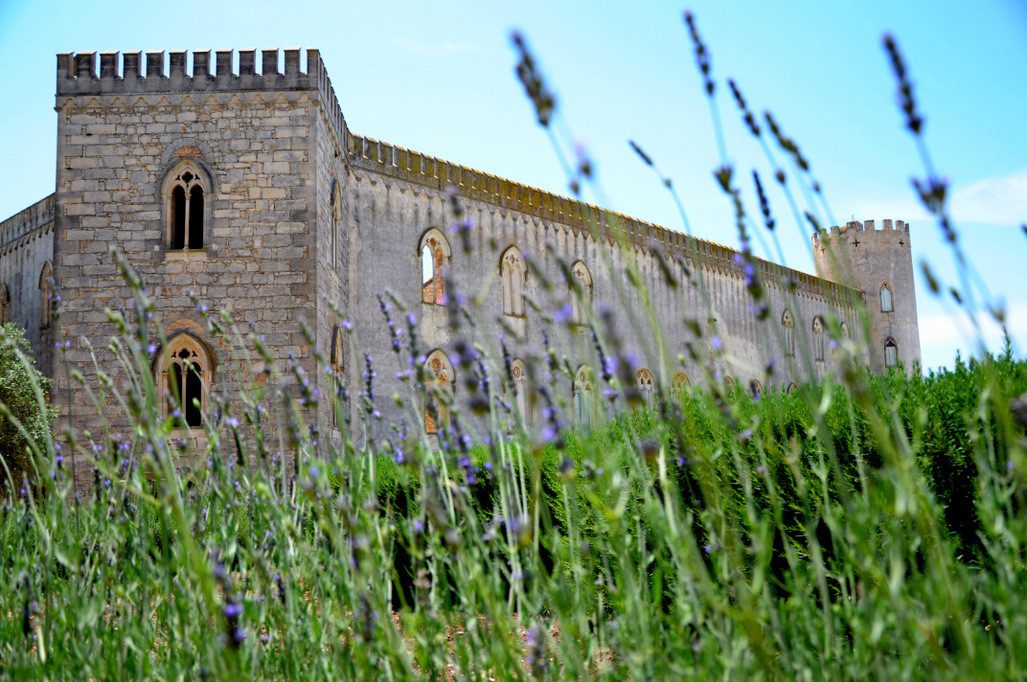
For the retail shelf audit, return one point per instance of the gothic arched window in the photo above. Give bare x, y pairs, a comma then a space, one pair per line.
519, 376
818, 339
512, 273
891, 353
5, 303
755, 388
185, 189
680, 385
336, 364
584, 398
789, 325
435, 253
886, 300
439, 382
47, 298
336, 226
183, 377
581, 293
646, 386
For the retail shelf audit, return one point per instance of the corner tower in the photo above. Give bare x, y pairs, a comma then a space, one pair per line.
880, 264
217, 183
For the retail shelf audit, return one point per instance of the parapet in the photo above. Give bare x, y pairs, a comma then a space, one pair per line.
124, 72
887, 225
424, 170
37, 218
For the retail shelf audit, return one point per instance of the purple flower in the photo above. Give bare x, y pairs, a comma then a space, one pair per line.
563, 313
610, 365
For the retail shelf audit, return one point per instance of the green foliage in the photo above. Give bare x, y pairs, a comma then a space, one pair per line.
722, 536
870, 527
25, 411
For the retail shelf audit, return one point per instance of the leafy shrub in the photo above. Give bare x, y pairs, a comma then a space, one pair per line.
26, 415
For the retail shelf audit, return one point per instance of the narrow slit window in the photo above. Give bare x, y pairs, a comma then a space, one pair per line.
176, 386
196, 217
193, 396
428, 275
178, 218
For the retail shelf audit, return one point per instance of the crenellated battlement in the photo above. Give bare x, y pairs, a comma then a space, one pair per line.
425, 170
141, 73
26, 222
887, 226
130, 72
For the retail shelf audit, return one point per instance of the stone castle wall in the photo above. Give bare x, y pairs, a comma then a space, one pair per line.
26, 247
304, 217
398, 195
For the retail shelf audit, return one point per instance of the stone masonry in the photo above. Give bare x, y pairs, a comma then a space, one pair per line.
300, 216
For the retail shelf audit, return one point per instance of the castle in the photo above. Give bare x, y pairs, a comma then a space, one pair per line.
247, 191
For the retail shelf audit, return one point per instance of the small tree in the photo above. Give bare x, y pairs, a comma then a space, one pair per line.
24, 423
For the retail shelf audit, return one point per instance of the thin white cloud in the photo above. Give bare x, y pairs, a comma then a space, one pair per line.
430, 50
990, 201
994, 201
942, 335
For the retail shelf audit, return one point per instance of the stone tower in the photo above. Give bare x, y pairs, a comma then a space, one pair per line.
879, 263
217, 184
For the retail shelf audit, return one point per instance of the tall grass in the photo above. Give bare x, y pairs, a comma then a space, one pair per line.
871, 526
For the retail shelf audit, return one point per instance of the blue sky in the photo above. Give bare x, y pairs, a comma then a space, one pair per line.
438, 77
